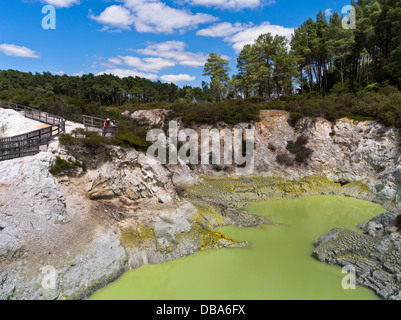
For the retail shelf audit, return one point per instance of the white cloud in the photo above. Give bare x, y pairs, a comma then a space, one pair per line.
151, 16
223, 29
328, 12
157, 17
18, 51
79, 74
174, 51
60, 72
123, 73
174, 78
115, 16
61, 3
249, 33
230, 4
146, 64
116, 61
158, 56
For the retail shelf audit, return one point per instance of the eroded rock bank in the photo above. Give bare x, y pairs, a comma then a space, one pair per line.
91, 226
375, 254
345, 151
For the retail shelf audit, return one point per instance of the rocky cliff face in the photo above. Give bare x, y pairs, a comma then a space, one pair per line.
132, 175
131, 210
92, 226
345, 151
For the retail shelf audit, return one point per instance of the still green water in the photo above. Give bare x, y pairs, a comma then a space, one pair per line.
278, 264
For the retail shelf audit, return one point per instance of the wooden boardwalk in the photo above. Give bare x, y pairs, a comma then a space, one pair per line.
97, 125
29, 144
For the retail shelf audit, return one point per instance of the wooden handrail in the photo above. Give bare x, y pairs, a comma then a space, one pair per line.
35, 114
98, 124
93, 122
29, 143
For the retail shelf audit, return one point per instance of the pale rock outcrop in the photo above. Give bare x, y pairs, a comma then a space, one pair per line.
132, 175
344, 151
163, 232
347, 148
28, 189
155, 117
103, 262
182, 174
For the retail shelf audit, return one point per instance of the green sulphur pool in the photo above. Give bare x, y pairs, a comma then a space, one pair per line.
278, 264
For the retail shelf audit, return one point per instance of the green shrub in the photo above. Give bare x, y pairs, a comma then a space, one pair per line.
373, 87
61, 166
302, 140
90, 140
228, 111
94, 141
91, 148
129, 139
66, 139
78, 133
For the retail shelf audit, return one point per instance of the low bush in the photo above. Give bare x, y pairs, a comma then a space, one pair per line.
66, 139
129, 139
93, 141
91, 149
228, 111
61, 166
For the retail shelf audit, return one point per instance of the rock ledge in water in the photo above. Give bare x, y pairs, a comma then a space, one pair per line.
376, 259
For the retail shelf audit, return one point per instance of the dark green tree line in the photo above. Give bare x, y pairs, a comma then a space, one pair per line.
103, 89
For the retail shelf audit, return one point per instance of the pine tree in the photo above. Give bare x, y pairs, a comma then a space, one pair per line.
340, 43
217, 68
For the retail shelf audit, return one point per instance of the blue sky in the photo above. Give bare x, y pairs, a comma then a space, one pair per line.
167, 40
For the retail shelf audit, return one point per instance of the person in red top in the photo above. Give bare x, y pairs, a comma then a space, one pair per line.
106, 124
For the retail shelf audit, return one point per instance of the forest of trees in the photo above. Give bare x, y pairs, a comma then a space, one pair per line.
103, 89
325, 70
322, 55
